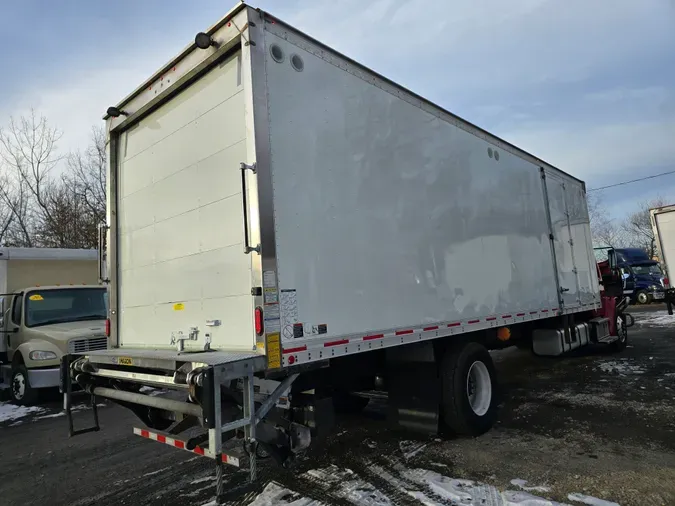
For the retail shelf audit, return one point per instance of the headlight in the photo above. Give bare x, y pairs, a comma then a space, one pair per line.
42, 355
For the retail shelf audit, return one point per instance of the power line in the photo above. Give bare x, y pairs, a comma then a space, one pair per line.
632, 181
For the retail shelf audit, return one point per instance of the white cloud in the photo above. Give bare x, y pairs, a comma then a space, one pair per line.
597, 150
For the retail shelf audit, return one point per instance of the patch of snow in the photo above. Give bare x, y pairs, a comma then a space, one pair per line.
156, 472
276, 495
656, 319
53, 415
523, 485
591, 501
411, 448
9, 411
621, 368
512, 498
347, 485
202, 480
427, 487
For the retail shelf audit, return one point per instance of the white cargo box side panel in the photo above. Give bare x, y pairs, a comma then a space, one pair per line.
664, 228
181, 260
388, 216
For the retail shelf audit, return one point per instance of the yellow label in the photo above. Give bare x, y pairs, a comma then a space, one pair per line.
125, 361
36, 296
179, 306
273, 350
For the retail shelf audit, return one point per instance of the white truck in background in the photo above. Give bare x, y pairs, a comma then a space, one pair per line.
52, 304
663, 227
287, 230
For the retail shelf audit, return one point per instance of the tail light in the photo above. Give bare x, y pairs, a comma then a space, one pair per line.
107, 327
259, 321
666, 282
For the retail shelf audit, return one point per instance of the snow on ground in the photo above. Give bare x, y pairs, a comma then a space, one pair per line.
12, 412
655, 319
591, 501
621, 367
428, 487
9, 411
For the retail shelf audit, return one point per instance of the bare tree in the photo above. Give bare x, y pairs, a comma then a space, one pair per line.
639, 228
28, 150
88, 170
605, 231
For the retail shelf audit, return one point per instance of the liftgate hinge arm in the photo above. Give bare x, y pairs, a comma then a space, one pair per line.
244, 167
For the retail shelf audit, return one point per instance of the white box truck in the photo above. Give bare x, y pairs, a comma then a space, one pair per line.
663, 227
288, 229
51, 305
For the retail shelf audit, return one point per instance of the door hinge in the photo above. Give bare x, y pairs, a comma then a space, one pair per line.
550, 236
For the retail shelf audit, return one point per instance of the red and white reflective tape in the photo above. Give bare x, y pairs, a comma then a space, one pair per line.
312, 349
177, 443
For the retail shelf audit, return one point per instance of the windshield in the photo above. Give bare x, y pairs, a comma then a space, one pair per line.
652, 269
67, 305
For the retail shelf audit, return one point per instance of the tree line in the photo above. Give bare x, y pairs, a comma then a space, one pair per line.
634, 231
49, 198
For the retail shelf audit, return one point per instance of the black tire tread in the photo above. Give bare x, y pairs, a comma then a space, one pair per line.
453, 406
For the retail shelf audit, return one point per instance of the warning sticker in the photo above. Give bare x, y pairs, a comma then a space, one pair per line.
36, 296
273, 351
269, 279
289, 312
271, 296
271, 312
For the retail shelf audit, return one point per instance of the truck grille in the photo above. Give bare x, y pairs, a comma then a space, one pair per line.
85, 345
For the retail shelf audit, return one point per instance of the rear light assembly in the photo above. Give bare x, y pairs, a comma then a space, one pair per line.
259, 327
107, 327
666, 283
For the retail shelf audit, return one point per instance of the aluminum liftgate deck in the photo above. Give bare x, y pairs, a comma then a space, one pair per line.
216, 368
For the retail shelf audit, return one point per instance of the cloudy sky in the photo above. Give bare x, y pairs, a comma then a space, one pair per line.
588, 85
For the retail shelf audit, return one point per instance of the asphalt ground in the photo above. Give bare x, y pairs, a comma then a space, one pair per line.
596, 424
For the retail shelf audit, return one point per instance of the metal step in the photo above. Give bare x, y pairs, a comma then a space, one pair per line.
608, 339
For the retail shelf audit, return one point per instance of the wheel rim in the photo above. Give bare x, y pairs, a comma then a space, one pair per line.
479, 388
642, 298
621, 329
19, 386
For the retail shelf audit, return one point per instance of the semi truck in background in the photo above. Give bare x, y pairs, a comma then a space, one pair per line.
52, 304
663, 227
288, 231
643, 274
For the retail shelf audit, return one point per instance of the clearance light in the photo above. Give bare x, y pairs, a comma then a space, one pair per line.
504, 334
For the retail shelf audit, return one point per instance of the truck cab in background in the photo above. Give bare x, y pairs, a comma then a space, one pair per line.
40, 324
645, 275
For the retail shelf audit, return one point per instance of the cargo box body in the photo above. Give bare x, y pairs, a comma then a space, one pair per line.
364, 216
663, 225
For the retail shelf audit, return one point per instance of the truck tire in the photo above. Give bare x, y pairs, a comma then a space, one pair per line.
643, 298
21, 391
622, 332
469, 389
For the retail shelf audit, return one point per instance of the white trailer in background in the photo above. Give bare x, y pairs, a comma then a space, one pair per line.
287, 229
663, 226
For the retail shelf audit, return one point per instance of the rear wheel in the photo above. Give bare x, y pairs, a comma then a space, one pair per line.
469, 386
622, 333
20, 389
